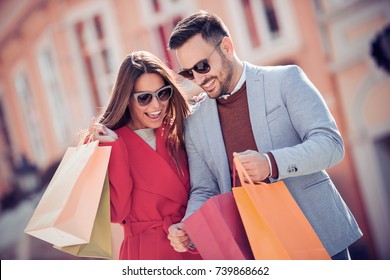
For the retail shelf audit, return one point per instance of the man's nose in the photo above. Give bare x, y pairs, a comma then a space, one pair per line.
199, 78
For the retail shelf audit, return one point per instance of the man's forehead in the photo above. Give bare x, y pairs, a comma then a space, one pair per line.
191, 52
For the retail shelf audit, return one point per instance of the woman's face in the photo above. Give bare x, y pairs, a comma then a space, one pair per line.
152, 114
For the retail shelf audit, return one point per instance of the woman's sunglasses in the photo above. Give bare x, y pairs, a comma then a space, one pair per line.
145, 98
202, 67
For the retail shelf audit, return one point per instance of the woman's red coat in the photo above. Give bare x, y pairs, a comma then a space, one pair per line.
147, 194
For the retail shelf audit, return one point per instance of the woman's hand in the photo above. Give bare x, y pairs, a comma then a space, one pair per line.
179, 238
101, 132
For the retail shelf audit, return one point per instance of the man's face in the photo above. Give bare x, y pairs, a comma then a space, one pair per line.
197, 54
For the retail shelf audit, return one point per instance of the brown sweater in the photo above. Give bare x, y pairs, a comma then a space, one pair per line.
236, 127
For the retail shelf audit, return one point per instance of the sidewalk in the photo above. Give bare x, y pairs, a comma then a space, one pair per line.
17, 245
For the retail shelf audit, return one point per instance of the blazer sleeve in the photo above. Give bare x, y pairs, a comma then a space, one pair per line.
321, 145
121, 183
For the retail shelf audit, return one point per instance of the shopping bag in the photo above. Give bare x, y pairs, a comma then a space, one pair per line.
275, 225
217, 231
66, 211
99, 246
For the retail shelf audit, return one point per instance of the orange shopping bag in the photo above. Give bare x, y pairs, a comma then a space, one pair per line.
275, 225
66, 212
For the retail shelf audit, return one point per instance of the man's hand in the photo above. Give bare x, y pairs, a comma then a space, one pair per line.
255, 164
178, 237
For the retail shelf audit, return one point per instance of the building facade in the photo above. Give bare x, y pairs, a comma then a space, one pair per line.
59, 59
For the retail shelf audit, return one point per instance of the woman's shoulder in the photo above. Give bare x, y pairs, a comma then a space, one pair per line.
124, 132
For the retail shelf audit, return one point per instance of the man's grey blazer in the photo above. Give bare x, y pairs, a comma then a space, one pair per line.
289, 118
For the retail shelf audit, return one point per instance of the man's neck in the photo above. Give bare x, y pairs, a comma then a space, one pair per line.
238, 80
238, 68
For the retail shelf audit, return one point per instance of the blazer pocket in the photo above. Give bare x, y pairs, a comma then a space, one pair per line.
273, 113
316, 183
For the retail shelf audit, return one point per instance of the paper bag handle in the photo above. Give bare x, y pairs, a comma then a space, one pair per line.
85, 137
242, 174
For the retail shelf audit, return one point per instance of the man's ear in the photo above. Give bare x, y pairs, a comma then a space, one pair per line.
227, 46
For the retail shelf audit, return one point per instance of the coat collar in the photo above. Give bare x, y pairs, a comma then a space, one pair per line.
175, 187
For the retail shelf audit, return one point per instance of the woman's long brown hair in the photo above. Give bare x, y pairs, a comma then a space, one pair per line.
117, 113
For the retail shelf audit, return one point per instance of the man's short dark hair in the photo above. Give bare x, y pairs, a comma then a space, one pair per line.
210, 26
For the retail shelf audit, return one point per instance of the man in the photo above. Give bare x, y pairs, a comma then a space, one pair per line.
272, 118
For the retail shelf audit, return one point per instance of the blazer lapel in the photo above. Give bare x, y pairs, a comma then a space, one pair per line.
205, 131
214, 141
213, 130
256, 88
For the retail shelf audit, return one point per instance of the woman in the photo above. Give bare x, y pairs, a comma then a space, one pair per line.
148, 172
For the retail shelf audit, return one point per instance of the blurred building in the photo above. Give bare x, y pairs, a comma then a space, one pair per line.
59, 59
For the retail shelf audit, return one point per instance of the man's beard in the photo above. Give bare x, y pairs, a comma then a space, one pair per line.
226, 79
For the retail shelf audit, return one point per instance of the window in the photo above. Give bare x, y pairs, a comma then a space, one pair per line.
163, 31
3, 125
382, 149
30, 116
261, 19
163, 15
251, 24
54, 94
271, 17
5, 152
267, 30
96, 57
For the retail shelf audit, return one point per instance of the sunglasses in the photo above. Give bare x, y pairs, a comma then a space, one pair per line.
202, 67
145, 98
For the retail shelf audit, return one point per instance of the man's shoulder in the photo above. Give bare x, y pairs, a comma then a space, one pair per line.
271, 69
200, 109
196, 101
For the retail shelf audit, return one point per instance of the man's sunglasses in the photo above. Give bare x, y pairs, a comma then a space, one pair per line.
145, 98
202, 67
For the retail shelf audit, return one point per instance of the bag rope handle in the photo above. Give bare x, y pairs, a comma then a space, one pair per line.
242, 174
85, 137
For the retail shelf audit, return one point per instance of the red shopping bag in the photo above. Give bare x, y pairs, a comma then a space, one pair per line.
275, 225
217, 231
